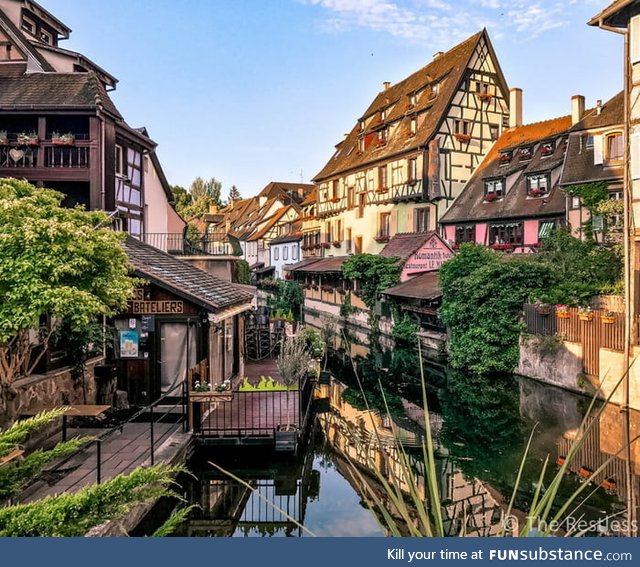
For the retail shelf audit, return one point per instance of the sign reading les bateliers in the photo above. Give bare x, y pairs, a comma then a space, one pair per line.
138, 305
431, 255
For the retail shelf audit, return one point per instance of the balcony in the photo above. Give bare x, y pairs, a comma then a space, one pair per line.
20, 153
200, 245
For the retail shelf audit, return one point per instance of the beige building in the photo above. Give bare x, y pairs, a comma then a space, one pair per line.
412, 151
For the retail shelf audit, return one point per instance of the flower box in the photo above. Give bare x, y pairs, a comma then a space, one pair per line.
462, 137
585, 315
383, 238
336, 243
610, 485
537, 192
24, 139
382, 190
543, 309
563, 314
484, 97
380, 143
608, 319
325, 245
490, 197
502, 247
67, 139
212, 396
333, 200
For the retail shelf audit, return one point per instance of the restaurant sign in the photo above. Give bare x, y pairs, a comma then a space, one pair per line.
428, 258
139, 306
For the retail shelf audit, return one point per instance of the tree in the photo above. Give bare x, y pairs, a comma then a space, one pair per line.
181, 196
55, 262
211, 188
234, 194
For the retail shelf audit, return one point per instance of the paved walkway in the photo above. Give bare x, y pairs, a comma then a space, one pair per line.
120, 453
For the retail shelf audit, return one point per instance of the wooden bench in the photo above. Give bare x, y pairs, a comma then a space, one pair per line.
77, 410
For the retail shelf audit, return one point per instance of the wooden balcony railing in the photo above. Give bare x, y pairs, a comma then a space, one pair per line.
45, 154
200, 245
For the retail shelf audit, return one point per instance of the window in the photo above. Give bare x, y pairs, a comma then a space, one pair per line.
348, 243
397, 175
46, 37
338, 234
28, 25
334, 190
494, 131
494, 187
384, 225
482, 88
362, 201
120, 160
329, 233
547, 148
421, 219
383, 114
382, 177
614, 148
465, 233
358, 244
505, 121
351, 197
509, 233
462, 127
575, 202
361, 144
505, 158
294, 252
412, 170
276, 253
537, 185
589, 141
381, 136
526, 153
413, 99
361, 125
285, 253
413, 126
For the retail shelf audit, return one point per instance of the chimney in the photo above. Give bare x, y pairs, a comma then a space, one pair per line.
437, 54
386, 85
598, 107
577, 109
213, 209
515, 108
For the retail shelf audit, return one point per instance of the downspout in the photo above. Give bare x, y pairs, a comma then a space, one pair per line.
103, 177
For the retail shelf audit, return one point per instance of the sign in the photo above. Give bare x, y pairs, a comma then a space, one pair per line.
156, 307
428, 258
129, 342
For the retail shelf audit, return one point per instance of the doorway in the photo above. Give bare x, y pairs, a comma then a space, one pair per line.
178, 353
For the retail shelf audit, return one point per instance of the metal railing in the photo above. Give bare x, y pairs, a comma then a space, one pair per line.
201, 245
155, 417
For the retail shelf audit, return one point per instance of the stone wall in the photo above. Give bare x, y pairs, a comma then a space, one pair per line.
53, 389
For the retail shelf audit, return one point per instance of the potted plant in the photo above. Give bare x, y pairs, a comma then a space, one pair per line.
543, 309
336, 244
563, 311
585, 314
462, 137
537, 192
28, 139
490, 197
382, 190
608, 317
4, 138
326, 245
67, 139
505, 157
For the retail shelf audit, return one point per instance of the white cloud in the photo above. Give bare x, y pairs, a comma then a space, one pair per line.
442, 21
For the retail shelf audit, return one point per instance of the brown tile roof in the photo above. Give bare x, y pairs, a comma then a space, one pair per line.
59, 91
311, 198
448, 70
271, 222
324, 265
296, 192
579, 164
425, 286
470, 205
405, 244
291, 237
302, 264
182, 278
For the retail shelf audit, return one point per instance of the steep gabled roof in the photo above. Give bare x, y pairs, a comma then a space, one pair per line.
616, 14
404, 244
446, 70
182, 278
470, 205
288, 192
23, 43
59, 91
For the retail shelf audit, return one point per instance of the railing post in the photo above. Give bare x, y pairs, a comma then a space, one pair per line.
151, 433
98, 461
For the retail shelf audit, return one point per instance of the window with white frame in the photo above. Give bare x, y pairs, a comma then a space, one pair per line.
614, 148
412, 170
285, 252
276, 253
413, 126
421, 219
494, 187
538, 185
120, 168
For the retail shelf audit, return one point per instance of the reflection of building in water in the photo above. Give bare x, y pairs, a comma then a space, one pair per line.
367, 440
603, 446
278, 497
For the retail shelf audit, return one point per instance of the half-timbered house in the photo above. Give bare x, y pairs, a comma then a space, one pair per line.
411, 152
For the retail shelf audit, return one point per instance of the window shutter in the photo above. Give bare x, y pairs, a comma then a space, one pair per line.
598, 150
634, 40
635, 155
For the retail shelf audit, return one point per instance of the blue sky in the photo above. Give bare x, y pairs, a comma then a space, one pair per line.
252, 91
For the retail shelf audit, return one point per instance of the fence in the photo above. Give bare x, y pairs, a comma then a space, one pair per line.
594, 330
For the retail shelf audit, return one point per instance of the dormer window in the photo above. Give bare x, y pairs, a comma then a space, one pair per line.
381, 137
505, 157
46, 37
538, 185
413, 99
413, 126
383, 115
361, 144
493, 189
28, 25
361, 125
526, 153
547, 148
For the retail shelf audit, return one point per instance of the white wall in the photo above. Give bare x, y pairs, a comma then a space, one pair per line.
283, 254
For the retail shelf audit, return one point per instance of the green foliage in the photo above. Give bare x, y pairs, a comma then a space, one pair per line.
266, 384
591, 195
181, 197
53, 261
405, 330
373, 274
482, 299
242, 272
174, 522
234, 194
73, 515
294, 360
315, 344
346, 309
287, 297
211, 189
20, 430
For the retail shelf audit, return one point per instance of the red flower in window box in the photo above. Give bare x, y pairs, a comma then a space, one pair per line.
485, 97
333, 200
288, 276
537, 192
502, 247
381, 143
490, 197
336, 243
456, 247
462, 137
325, 245
505, 158
382, 189
383, 238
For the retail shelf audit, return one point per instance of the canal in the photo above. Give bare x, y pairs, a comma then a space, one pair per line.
480, 427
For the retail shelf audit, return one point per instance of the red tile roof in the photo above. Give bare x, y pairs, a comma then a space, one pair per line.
425, 286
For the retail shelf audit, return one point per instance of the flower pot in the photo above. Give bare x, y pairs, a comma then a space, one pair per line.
544, 311
563, 314
584, 317
607, 320
225, 396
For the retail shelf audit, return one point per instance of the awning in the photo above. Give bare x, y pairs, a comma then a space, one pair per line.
545, 229
426, 286
228, 313
266, 270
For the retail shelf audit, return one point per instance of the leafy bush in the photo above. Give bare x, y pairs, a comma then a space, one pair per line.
405, 330
373, 274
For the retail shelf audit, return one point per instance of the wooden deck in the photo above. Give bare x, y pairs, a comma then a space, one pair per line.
251, 418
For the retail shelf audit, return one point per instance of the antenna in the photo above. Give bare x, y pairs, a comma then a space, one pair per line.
301, 177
